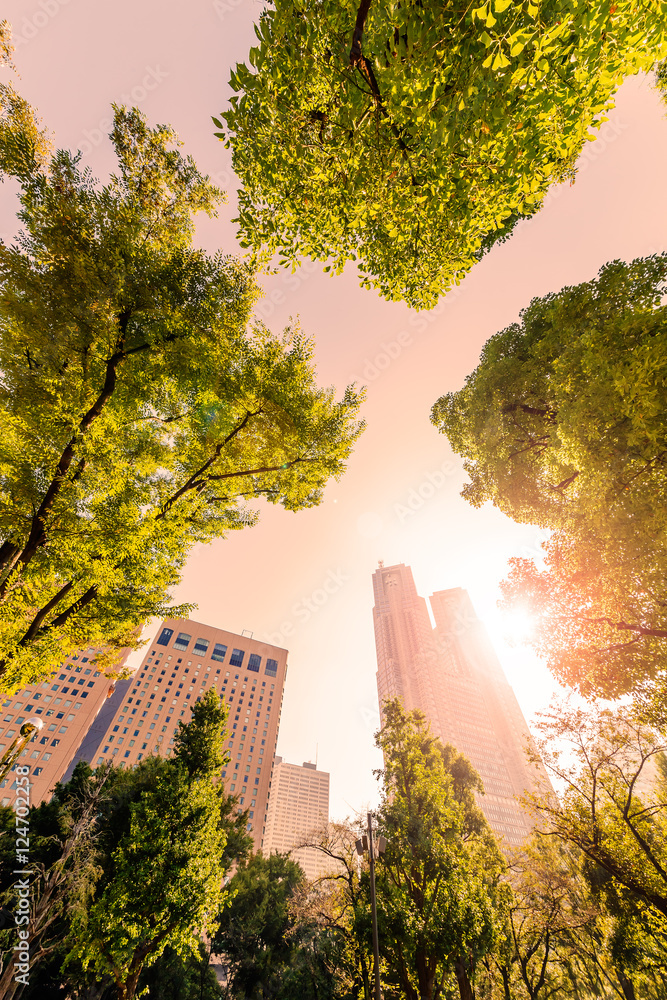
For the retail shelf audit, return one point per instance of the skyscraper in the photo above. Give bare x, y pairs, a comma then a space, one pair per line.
452, 674
183, 662
298, 810
68, 702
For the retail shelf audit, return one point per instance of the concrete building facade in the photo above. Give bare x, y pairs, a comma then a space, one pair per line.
184, 661
68, 703
298, 812
452, 674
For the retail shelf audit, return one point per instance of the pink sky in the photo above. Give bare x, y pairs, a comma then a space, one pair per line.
74, 60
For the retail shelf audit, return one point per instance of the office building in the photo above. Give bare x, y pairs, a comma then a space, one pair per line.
185, 660
452, 674
298, 813
68, 703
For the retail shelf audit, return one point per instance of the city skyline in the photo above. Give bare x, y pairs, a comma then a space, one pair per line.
306, 573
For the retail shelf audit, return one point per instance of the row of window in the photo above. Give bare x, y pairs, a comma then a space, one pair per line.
218, 653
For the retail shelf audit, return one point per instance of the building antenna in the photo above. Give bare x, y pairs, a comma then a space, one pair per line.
317, 747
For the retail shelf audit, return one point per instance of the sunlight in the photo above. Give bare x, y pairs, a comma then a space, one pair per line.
518, 626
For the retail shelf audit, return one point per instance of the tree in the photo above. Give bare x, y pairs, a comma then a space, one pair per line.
612, 810
165, 882
253, 932
137, 413
176, 978
63, 866
338, 904
437, 883
410, 137
563, 425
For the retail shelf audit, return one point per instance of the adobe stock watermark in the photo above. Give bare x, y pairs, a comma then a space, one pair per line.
224, 7
390, 350
306, 607
151, 80
427, 489
31, 26
22, 885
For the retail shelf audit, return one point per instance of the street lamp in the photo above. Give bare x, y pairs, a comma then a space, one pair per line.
365, 843
18, 744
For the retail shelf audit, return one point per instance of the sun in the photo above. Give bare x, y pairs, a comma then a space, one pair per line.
518, 626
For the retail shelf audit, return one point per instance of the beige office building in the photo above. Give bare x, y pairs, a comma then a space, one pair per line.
452, 674
185, 660
298, 812
68, 703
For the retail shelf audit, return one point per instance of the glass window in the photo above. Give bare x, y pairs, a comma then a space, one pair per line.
200, 646
183, 641
271, 668
237, 657
254, 662
165, 636
219, 652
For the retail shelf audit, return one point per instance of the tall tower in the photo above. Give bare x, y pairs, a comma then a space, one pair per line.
452, 674
69, 702
184, 661
298, 811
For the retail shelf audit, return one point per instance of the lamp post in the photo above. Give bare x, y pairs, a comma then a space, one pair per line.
363, 844
18, 744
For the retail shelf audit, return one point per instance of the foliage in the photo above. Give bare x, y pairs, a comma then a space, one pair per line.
253, 932
661, 79
563, 425
64, 867
438, 897
176, 978
410, 137
611, 810
165, 881
338, 906
136, 410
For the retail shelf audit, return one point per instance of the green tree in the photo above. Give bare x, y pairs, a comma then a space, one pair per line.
612, 809
437, 883
136, 410
563, 425
64, 867
253, 932
410, 137
164, 885
174, 977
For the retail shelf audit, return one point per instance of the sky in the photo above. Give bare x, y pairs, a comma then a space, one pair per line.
303, 580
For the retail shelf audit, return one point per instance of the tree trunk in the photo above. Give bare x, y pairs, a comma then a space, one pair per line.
8, 985
505, 973
465, 986
626, 985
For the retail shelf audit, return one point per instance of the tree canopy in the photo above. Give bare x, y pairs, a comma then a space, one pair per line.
139, 410
563, 424
409, 137
438, 897
164, 884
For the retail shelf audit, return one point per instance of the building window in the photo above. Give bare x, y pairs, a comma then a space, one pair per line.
38, 771
236, 659
183, 641
200, 647
165, 636
271, 668
254, 662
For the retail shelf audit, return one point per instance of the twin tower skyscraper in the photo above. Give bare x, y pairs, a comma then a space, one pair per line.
452, 674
